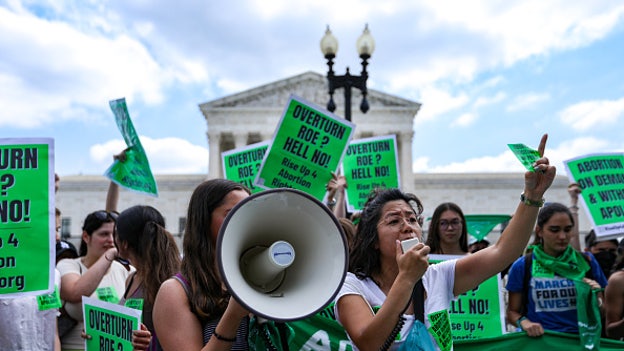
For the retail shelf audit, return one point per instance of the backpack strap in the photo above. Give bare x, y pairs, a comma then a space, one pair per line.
418, 301
526, 279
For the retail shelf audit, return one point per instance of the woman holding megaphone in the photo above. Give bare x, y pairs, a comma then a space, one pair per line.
193, 310
393, 299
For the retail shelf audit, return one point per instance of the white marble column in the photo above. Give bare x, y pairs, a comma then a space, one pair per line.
214, 155
240, 140
405, 158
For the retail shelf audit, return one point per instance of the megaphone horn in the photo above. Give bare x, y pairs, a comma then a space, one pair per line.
282, 254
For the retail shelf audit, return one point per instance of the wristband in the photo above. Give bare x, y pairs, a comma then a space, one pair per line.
519, 321
533, 203
222, 338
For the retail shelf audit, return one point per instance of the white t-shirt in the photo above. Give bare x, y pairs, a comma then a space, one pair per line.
114, 278
23, 327
438, 282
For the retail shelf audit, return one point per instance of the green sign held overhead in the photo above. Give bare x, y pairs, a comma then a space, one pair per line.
525, 154
134, 173
309, 144
242, 165
27, 217
601, 178
370, 163
108, 325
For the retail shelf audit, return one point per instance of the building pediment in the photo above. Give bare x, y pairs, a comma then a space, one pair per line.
310, 86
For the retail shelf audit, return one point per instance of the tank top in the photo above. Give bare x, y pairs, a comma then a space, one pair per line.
209, 327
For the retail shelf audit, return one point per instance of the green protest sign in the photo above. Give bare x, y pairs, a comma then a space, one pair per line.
525, 154
478, 313
109, 325
440, 329
49, 301
134, 173
601, 178
368, 164
319, 332
242, 165
136, 303
308, 145
480, 225
27, 222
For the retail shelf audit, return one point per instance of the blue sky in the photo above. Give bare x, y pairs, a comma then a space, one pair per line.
487, 73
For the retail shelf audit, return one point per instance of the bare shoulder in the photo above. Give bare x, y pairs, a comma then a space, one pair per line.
616, 278
171, 291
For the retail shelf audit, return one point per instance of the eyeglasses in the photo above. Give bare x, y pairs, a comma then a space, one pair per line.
104, 215
394, 221
455, 223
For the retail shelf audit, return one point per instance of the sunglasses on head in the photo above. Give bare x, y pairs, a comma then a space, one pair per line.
104, 215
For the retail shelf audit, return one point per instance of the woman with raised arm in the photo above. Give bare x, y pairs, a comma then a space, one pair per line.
375, 303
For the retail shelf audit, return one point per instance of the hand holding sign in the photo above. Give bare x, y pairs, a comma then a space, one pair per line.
134, 172
536, 183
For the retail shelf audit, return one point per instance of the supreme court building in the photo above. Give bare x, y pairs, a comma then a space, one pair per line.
251, 116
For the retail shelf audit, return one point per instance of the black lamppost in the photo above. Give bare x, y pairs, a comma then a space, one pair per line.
365, 46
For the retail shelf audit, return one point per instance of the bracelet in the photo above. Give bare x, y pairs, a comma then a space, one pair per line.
533, 203
519, 321
106, 258
331, 203
222, 338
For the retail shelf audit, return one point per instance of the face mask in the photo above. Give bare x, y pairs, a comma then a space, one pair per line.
606, 259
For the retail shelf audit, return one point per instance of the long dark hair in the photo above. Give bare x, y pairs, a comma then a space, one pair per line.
208, 300
158, 257
364, 260
433, 235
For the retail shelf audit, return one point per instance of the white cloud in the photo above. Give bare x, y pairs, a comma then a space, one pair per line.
420, 165
490, 100
530, 27
573, 148
165, 155
507, 161
464, 120
589, 114
527, 101
436, 102
68, 70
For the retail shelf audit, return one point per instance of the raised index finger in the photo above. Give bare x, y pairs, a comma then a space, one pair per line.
542, 145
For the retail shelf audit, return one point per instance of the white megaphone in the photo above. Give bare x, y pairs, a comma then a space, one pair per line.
282, 254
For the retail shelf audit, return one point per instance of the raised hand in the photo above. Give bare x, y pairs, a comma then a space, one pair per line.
536, 183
